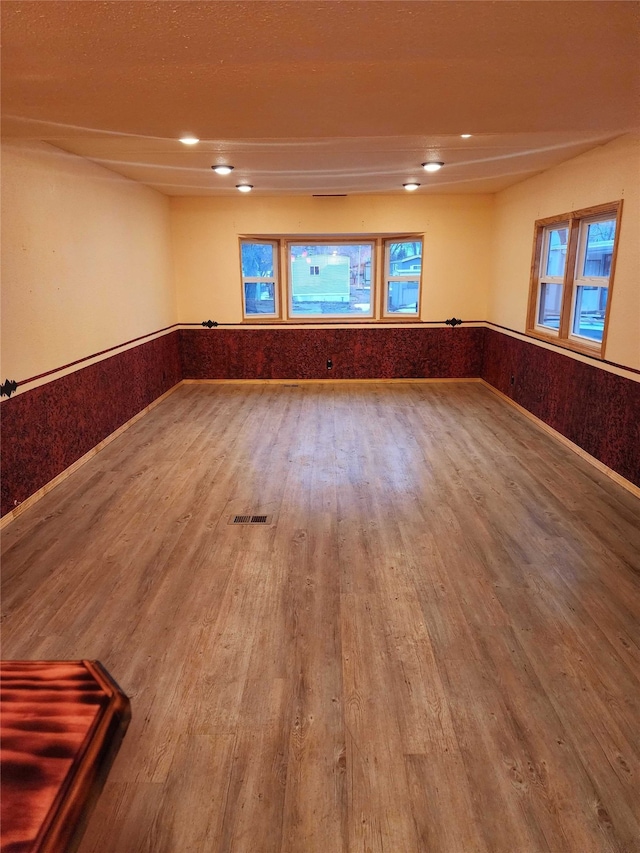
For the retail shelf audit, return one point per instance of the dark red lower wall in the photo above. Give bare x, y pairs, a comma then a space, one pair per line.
47, 429
594, 408
382, 353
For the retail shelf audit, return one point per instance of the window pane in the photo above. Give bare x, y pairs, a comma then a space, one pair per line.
402, 297
259, 297
557, 251
405, 257
257, 260
550, 303
590, 308
331, 280
599, 248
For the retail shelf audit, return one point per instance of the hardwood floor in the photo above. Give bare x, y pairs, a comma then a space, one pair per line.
434, 646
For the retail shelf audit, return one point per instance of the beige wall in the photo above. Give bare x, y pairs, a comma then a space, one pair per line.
87, 255
607, 173
86, 259
457, 247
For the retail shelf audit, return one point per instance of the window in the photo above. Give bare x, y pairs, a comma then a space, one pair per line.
591, 291
329, 279
572, 275
340, 280
259, 262
554, 258
403, 268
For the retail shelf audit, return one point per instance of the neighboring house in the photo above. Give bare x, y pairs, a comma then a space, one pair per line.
412, 263
320, 278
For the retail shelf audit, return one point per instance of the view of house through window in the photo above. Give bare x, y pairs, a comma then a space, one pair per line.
331, 279
572, 276
403, 264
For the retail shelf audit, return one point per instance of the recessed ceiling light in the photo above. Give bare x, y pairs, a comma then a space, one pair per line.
222, 170
432, 167
465, 136
189, 140
411, 186
244, 188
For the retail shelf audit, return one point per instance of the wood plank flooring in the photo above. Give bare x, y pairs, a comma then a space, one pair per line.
435, 646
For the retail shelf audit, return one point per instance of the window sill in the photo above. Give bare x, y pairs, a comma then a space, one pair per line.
567, 343
331, 321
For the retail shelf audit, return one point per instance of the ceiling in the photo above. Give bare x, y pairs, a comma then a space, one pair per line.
329, 97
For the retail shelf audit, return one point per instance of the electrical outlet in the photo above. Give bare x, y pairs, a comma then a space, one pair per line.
513, 379
329, 364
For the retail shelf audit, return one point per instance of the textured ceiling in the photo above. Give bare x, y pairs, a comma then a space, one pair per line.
321, 97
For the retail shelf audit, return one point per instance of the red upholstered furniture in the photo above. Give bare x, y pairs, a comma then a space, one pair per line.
61, 726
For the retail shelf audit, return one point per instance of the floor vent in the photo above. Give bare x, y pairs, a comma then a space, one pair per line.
250, 519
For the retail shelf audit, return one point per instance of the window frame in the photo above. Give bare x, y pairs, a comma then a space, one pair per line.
277, 294
578, 222
550, 279
379, 243
357, 240
387, 278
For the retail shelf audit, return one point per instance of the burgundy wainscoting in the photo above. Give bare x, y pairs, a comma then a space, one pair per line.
355, 353
594, 408
47, 429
